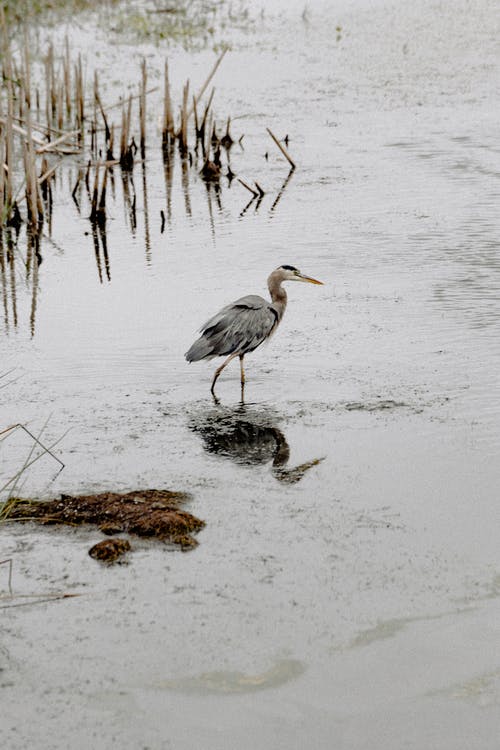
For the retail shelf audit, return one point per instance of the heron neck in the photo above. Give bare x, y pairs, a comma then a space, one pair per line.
278, 294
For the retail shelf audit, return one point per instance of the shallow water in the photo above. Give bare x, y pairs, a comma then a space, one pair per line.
373, 573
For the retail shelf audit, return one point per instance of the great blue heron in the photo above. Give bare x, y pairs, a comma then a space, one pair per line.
242, 326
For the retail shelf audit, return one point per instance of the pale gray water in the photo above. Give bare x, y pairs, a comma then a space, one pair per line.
359, 605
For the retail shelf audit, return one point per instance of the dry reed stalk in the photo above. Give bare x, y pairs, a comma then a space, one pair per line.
107, 130
282, 149
79, 99
60, 106
36, 197
245, 185
168, 117
53, 83
48, 172
50, 103
93, 129
67, 78
96, 96
123, 133
207, 134
201, 134
33, 198
195, 113
183, 141
2, 180
40, 128
21, 131
36, 190
119, 103
142, 107
30, 196
210, 76
93, 138
52, 145
129, 118
9, 141
17, 78
126, 148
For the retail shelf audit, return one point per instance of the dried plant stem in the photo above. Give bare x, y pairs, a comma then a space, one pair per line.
168, 118
52, 145
142, 106
67, 78
245, 185
184, 119
210, 76
282, 149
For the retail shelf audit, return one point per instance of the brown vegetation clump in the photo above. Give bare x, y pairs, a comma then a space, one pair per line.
109, 550
143, 513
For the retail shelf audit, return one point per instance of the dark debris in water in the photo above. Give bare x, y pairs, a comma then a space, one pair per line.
142, 513
109, 550
376, 405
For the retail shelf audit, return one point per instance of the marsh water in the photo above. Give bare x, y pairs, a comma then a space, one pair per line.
345, 591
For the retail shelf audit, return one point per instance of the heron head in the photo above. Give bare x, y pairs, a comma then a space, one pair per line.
290, 273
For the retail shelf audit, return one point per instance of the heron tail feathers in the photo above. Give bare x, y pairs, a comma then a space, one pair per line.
201, 349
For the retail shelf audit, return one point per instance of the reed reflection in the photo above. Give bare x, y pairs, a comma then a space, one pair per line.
282, 190
100, 242
8, 276
168, 171
250, 437
147, 234
19, 274
33, 261
4, 281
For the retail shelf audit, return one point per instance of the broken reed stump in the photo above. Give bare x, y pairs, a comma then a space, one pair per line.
226, 139
153, 514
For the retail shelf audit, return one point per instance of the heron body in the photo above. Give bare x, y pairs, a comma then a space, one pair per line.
245, 324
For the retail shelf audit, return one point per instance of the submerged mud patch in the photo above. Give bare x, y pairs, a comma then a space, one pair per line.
223, 682
142, 513
381, 405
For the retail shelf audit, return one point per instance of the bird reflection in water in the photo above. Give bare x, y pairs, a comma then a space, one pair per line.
248, 437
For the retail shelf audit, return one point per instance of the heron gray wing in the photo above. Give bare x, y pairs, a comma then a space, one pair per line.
251, 301
238, 327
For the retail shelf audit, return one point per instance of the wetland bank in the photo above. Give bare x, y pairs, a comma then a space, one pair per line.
357, 606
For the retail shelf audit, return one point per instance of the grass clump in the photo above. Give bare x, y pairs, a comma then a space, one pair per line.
142, 513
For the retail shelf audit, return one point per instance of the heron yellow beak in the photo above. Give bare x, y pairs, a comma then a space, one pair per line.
309, 279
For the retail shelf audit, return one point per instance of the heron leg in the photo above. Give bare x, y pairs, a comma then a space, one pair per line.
242, 370
219, 369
